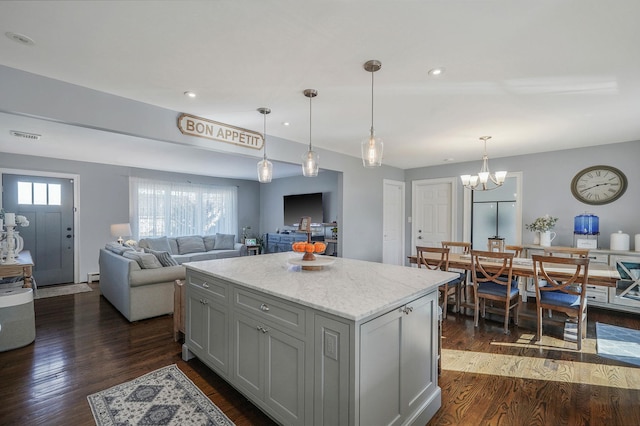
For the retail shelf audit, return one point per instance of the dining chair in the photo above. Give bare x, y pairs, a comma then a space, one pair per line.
439, 260
460, 247
560, 293
495, 284
517, 250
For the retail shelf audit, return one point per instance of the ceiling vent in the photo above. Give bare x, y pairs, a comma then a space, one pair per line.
25, 135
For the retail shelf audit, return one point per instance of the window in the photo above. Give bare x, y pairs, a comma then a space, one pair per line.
174, 209
41, 194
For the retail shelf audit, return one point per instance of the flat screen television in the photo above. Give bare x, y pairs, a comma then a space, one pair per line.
299, 205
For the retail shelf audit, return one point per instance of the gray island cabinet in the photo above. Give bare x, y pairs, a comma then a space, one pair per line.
355, 343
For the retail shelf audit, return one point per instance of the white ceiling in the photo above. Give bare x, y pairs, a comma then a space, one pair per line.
536, 75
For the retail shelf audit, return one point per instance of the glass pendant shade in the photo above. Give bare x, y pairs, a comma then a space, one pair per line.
372, 151
310, 164
265, 167
373, 146
265, 171
310, 158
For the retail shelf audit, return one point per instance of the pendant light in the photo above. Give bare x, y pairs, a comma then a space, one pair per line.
265, 168
310, 158
484, 180
372, 147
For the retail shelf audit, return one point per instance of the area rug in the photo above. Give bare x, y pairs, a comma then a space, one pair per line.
619, 343
61, 290
162, 397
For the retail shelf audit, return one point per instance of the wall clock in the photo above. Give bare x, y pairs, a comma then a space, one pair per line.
598, 185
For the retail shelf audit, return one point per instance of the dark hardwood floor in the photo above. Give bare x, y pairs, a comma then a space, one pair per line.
83, 345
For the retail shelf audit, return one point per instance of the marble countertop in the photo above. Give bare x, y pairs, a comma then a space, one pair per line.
352, 289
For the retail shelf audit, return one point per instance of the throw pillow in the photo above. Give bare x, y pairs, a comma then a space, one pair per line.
209, 242
117, 248
164, 257
145, 260
224, 242
190, 244
158, 244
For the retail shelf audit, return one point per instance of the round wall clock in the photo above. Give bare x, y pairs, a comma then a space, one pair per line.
598, 185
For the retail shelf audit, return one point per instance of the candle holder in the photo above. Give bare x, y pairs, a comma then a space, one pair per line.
11, 258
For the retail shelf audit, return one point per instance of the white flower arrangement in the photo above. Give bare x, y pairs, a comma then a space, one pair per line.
131, 243
542, 224
22, 221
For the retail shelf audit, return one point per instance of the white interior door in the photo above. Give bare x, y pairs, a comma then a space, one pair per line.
393, 222
434, 211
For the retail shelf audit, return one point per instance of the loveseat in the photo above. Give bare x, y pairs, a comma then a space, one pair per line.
141, 284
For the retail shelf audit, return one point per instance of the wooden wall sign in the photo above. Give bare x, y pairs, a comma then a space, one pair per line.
209, 129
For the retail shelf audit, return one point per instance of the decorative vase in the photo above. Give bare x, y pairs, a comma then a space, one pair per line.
546, 238
536, 238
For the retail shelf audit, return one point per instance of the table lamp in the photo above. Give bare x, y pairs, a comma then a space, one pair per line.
120, 229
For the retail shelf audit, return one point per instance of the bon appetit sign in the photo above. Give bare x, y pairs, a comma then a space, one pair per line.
209, 129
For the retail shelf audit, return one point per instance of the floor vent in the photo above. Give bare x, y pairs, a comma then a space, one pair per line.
25, 135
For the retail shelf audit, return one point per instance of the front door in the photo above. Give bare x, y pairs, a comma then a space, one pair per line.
433, 212
47, 203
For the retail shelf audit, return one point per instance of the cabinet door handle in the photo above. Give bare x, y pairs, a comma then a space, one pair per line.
204, 301
205, 285
261, 328
264, 307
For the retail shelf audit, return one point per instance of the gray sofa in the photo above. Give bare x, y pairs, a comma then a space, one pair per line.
141, 285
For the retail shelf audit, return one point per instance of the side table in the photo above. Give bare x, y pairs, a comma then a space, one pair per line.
178, 309
254, 249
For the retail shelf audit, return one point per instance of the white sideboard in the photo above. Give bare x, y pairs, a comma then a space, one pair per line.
624, 297
353, 344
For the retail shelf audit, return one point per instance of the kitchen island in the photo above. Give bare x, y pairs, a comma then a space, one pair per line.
354, 343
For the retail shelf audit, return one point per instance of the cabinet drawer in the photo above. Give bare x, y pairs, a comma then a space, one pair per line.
599, 258
216, 289
597, 293
267, 308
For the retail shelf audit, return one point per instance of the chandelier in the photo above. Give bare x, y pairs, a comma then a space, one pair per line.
484, 180
265, 168
310, 158
372, 146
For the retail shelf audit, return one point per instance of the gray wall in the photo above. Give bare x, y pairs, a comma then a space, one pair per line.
104, 198
546, 188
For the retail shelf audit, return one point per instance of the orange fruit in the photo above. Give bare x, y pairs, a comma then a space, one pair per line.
309, 247
319, 247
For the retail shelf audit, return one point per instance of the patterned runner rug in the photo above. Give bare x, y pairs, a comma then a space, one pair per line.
619, 343
162, 397
60, 290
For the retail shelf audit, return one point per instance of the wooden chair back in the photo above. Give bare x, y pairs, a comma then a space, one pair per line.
566, 252
503, 260
433, 262
457, 246
517, 250
560, 281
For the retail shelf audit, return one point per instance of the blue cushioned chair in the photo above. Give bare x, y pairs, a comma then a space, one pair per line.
561, 285
492, 274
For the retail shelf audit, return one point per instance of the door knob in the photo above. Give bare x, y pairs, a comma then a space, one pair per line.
68, 235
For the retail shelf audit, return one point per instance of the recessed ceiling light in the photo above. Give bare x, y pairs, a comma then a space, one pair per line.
20, 38
190, 94
436, 71
286, 123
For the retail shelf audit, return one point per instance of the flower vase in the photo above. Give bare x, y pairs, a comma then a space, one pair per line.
546, 238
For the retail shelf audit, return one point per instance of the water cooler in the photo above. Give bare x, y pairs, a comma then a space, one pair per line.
586, 229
